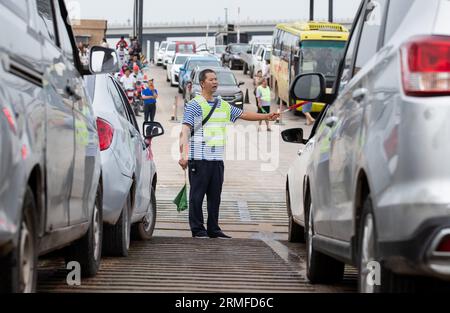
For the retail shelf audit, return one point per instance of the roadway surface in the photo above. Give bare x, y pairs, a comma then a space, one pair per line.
258, 258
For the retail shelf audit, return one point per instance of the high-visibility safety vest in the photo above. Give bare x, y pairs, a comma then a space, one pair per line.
214, 131
265, 93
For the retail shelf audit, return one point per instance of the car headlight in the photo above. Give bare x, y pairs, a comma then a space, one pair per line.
239, 95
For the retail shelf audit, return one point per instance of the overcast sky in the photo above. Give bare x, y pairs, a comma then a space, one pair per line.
119, 11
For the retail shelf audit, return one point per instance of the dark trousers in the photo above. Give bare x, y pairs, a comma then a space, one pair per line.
149, 112
206, 178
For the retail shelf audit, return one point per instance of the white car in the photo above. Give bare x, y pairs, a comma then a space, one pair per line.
173, 68
160, 53
263, 56
295, 185
169, 53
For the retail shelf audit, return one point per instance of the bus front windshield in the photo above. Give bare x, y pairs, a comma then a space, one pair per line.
321, 57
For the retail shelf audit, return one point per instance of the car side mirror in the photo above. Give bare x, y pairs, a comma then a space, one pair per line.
103, 60
152, 130
309, 87
182, 69
259, 58
294, 135
241, 84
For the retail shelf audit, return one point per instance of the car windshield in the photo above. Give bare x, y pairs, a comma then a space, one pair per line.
163, 46
195, 63
220, 49
239, 48
171, 47
224, 79
180, 60
322, 57
268, 55
255, 48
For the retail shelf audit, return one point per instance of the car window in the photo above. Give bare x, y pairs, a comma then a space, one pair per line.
118, 103
64, 39
130, 116
396, 14
349, 56
46, 19
371, 32
180, 59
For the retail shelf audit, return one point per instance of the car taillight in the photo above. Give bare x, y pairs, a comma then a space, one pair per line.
426, 66
105, 134
444, 245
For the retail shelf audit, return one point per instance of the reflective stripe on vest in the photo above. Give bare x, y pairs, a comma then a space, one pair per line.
265, 94
214, 132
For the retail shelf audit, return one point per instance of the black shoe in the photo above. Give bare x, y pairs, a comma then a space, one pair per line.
201, 236
220, 236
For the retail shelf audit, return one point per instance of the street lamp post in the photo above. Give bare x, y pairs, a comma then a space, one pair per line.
239, 26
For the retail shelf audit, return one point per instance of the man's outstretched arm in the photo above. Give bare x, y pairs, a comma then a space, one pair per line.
254, 117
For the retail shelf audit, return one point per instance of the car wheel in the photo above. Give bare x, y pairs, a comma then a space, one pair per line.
230, 64
180, 91
116, 238
252, 72
245, 68
87, 251
389, 282
296, 232
143, 230
168, 79
18, 270
320, 268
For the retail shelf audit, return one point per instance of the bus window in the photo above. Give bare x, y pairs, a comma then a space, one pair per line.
322, 56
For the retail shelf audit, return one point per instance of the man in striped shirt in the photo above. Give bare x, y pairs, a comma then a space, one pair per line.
202, 149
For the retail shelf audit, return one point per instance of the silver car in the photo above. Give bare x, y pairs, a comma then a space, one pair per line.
129, 172
51, 181
376, 181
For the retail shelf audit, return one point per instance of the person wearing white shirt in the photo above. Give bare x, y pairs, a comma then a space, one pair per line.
128, 81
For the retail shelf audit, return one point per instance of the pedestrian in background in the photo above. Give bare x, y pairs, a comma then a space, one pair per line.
105, 43
257, 81
149, 95
123, 42
264, 98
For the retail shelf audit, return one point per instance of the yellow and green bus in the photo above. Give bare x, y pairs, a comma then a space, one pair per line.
305, 47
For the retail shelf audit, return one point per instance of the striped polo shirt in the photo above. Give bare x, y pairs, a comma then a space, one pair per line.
193, 117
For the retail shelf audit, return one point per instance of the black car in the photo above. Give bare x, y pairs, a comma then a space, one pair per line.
228, 88
232, 55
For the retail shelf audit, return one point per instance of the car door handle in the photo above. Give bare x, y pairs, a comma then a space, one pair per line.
132, 134
331, 121
359, 94
300, 152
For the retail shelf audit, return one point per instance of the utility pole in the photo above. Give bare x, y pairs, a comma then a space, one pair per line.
138, 20
330, 11
311, 10
226, 20
239, 26
207, 35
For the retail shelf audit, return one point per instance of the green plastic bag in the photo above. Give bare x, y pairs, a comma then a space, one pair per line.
181, 201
